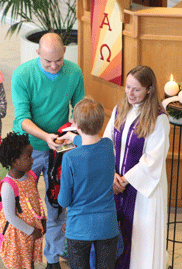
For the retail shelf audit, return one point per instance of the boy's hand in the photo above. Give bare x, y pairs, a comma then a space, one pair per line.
68, 137
64, 227
37, 233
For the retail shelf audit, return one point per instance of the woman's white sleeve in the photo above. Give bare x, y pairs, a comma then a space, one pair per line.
109, 131
8, 202
145, 175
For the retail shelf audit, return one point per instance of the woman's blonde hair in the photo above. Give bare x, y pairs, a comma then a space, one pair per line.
150, 108
88, 114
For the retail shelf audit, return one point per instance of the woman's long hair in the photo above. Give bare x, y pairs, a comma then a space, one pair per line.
150, 108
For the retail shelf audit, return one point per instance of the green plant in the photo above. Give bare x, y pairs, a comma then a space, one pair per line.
45, 14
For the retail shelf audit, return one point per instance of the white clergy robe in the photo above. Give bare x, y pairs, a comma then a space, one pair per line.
148, 177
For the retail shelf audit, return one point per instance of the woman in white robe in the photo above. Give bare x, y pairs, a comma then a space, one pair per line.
148, 176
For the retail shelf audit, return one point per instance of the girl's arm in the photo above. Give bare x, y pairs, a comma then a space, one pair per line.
8, 201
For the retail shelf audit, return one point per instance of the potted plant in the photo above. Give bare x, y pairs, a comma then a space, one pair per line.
45, 15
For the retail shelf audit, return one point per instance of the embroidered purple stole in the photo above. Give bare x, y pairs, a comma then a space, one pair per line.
125, 202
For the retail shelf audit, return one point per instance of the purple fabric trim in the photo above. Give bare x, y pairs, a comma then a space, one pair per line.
125, 202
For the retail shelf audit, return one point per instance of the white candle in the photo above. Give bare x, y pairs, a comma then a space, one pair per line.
171, 88
180, 96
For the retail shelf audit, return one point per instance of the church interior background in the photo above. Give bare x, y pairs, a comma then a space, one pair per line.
9, 60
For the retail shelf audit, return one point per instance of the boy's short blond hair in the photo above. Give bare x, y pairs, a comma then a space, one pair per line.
88, 114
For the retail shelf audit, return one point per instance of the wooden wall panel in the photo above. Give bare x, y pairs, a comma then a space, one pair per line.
151, 3
158, 26
163, 58
154, 40
128, 59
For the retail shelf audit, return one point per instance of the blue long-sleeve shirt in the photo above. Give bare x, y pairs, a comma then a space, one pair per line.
86, 189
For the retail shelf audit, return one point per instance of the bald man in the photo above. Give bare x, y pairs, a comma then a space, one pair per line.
41, 92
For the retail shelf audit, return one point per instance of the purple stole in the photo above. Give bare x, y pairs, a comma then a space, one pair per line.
125, 202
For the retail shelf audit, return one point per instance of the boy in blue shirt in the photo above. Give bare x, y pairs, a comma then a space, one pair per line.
86, 190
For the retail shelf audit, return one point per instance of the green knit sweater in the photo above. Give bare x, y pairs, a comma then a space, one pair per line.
43, 101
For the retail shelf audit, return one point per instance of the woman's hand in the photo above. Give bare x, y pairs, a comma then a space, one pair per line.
123, 182
119, 184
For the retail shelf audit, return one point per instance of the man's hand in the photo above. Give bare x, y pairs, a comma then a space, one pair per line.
31, 128
50, 141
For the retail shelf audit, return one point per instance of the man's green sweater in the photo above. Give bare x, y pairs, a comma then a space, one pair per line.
43, 101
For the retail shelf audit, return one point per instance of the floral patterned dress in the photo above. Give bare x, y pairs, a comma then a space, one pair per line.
18, 250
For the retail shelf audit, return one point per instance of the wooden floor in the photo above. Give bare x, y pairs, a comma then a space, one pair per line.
37, 266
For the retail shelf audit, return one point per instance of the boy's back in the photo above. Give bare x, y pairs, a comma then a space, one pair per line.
86, 189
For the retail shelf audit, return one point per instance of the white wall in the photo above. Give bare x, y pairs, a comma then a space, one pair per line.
172, 3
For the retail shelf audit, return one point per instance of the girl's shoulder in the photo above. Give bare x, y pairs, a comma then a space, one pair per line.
32, 177
32, 174
12, 183
10, 187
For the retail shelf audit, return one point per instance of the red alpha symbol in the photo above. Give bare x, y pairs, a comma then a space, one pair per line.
106, 23
102, 57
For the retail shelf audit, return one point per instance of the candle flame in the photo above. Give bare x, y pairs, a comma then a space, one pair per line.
171, 77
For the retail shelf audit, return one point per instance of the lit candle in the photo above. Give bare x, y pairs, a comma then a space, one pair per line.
1, 77
180, 96
171, 88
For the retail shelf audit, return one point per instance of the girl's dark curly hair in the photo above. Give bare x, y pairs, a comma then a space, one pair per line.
11, 148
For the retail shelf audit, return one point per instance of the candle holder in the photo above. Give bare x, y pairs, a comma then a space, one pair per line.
173, 106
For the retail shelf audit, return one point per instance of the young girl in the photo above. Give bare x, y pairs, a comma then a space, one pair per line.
22, 244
